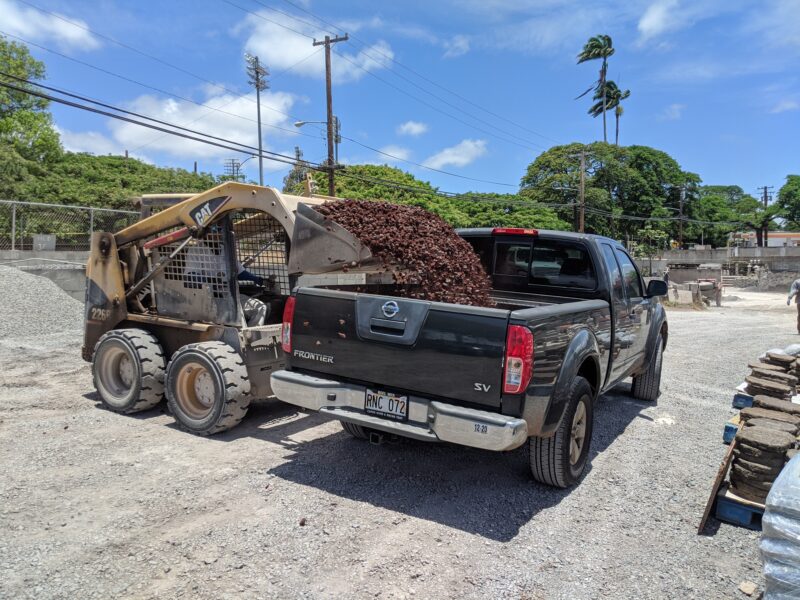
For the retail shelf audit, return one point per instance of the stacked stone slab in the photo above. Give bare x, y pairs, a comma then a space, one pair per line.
775, 375
759, 456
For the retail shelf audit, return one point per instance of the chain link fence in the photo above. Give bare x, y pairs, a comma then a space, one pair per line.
40, 226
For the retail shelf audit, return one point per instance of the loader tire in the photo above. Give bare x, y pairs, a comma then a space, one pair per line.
647, 385
207, 387
128, 370
357, 431
560, 460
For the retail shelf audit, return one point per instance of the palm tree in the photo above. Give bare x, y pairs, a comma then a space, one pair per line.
599, 46
610, 96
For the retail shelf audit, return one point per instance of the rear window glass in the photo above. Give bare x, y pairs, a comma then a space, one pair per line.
562, 263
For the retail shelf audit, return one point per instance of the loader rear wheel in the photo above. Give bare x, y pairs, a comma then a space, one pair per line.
207, 387
128, 370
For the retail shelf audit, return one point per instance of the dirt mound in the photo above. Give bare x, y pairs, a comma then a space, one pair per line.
444, 265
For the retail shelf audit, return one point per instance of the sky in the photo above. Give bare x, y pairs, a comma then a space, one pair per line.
461, 93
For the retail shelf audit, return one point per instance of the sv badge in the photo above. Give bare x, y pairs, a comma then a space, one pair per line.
481, 387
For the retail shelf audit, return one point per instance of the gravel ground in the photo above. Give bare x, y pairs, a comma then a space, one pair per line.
98, 505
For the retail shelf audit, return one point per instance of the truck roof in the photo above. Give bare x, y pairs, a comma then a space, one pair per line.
549, 233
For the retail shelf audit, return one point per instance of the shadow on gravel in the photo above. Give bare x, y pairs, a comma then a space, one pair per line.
485, 493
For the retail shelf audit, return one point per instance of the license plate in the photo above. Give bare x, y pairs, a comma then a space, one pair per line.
386, 404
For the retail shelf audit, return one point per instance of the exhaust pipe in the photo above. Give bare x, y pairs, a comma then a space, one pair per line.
376, 438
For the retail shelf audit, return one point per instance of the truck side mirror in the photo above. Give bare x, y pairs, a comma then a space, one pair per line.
657, 287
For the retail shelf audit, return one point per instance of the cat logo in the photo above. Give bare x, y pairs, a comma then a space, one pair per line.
206, 211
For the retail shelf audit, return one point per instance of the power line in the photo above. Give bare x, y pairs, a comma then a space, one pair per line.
407, 68
159, 90
429, 105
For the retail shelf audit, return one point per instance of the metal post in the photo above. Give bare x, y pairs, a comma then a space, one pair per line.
14, 226
91, 224
260, 149
582, 213
680, 218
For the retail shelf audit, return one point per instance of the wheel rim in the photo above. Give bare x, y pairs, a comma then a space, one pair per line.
577, 434
195, 391
116, 372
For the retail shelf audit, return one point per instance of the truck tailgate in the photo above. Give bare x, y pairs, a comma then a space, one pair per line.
427, 348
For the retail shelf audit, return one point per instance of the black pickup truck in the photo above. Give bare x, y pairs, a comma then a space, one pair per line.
573, 319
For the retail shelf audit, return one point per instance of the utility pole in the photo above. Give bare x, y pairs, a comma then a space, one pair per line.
766, 198
582, 192
680, 217
330, 122
258, 79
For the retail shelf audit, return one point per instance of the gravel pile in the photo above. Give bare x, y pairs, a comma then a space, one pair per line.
442, 265
32, 306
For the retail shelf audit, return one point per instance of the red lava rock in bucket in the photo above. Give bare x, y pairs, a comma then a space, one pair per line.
442, 265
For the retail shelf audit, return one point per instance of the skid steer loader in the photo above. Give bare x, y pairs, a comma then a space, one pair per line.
187, 303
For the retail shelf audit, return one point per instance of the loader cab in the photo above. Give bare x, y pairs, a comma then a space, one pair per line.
242, 256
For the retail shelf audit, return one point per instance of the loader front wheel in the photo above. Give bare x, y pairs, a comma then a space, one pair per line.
207, 387
128, 370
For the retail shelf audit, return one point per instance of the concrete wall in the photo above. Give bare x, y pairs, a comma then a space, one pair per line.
72, 281
21, 257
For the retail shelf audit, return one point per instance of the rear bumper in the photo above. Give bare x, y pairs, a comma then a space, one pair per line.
428, 420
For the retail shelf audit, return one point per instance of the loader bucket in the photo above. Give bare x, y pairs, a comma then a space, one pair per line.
320, 245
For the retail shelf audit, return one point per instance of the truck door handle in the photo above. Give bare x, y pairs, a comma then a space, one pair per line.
387, 327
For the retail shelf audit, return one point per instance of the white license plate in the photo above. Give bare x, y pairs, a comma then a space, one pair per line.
386, 404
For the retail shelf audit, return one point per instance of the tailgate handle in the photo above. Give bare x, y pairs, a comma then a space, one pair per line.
387, 327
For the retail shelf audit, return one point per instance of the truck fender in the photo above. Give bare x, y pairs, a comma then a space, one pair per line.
582, 347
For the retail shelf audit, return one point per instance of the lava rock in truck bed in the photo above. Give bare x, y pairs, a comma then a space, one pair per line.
441, 265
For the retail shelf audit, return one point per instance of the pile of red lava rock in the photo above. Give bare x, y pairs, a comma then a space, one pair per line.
429, 259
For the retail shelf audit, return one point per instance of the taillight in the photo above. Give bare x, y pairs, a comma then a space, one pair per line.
514, 231
286, 328
519, 359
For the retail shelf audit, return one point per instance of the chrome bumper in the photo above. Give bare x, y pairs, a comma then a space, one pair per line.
428, 420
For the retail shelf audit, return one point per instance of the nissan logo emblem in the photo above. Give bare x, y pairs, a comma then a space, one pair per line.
390, 309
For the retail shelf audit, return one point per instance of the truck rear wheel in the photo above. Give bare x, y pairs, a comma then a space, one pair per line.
357, 431
647, 385
207, 387
560, 460
128, 370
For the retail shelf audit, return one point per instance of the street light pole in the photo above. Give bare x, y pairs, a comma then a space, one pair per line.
258, 75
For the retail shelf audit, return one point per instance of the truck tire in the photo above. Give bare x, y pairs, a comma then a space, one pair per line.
647, 385
128, 370
560, 460
357, 431
207, 387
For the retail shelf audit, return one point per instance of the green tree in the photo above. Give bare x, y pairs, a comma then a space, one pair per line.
599, 47
789, 200
107, 181
382, 182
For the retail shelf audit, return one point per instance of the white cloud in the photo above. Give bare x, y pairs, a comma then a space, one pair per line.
660, 17
236, 123
280, 48
776, 21
457, 46
460, 155
412, 128
37, 26
785, 106
398, 153
672, 113
96, 143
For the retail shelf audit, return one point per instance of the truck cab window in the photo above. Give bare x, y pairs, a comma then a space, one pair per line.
512, 259
562, 263
630, 276
614, 273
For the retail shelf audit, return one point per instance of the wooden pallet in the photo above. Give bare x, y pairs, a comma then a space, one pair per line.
738, 511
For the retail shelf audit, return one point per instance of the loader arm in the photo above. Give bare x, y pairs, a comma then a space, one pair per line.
197, 210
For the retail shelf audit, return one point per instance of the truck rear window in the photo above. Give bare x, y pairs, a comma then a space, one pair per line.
546, 262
